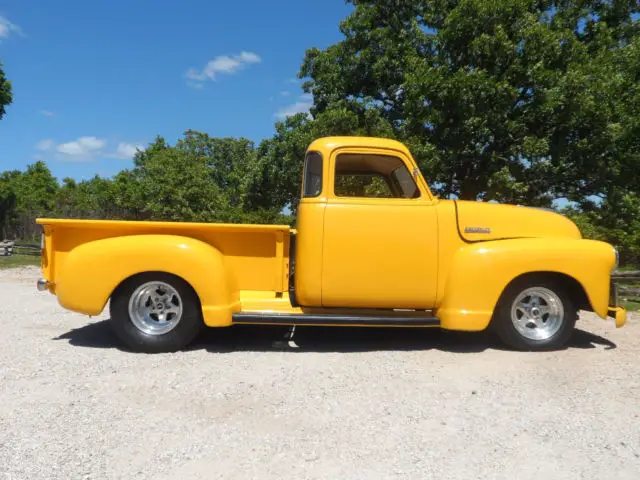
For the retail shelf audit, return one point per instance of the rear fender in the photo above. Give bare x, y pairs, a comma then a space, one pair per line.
480, 272
92, 271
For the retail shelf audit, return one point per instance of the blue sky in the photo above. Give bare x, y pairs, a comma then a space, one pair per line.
91, 80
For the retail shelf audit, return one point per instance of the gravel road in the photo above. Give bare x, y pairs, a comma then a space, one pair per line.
348, 404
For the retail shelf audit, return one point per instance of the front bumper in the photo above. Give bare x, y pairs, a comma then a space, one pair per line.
618, 313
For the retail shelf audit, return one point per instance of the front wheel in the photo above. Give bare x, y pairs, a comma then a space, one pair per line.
535, 315
155, 312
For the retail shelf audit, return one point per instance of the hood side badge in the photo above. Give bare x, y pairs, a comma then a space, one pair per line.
477, 230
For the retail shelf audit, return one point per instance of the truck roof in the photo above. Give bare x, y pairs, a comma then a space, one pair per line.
331, 143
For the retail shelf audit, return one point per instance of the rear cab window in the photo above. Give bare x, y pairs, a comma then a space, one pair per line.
312, 185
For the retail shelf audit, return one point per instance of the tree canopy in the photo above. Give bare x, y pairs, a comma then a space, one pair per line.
508, 100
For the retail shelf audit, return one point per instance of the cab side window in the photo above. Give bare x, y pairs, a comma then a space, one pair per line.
373, 176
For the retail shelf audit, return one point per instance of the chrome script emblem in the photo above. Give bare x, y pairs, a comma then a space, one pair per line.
477, 230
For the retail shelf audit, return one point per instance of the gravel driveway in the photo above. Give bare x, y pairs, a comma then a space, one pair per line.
348, 404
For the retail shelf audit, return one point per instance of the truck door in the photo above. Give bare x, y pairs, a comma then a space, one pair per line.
380, 233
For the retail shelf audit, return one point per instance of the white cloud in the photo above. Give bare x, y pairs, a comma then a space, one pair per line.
249, 57
196, 85
84, 148
87, 149
285, 93
302, 105
7, 28
125, 151
46, 113
193, 74
223, 64
45, 145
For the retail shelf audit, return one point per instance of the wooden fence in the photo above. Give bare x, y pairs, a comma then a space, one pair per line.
628, 283
627, 275
8, 248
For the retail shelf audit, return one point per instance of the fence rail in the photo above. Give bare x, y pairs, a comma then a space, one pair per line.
8, 248
624, 278
626, 275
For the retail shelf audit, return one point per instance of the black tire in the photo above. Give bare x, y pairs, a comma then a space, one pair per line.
188, 326
503, 325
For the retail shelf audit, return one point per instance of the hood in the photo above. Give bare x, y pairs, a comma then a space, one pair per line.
480, 221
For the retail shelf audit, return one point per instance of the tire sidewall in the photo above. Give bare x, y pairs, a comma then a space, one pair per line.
179, 337
504, 327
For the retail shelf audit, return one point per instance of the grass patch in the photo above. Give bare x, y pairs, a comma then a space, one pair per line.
626, 268
631, 306
19, 261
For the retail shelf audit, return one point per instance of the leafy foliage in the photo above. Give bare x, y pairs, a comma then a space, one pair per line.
509, 100
362, 186
24, 196
8, 203
617, 223
200, 179
6, 96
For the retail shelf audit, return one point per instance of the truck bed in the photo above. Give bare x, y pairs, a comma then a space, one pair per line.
257, 255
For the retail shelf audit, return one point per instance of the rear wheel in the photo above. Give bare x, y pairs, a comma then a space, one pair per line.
155, 312
535, 315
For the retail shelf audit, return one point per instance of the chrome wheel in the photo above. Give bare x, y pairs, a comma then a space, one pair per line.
537, 313
155, 308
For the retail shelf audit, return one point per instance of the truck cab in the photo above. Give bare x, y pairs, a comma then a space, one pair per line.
367, 231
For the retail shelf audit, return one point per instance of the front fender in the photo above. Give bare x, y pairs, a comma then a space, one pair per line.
480, 272
91, 272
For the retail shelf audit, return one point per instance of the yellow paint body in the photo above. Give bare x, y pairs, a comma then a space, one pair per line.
85, 260
355, 254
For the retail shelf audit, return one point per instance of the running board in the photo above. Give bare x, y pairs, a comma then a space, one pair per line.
333, 319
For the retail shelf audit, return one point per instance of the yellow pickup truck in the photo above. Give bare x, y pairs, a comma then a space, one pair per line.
372, 247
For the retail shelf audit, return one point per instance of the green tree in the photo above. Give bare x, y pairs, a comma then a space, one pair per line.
227, 160
27, 195
173, 184
94, 198
201, 178
618, 224
36, 189
8, 202
6, 96
127, 196
511, 100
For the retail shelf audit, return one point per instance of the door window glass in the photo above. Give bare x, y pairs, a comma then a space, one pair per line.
373, 176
